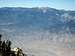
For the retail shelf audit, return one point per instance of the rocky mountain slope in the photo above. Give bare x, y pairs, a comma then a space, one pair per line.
39, 31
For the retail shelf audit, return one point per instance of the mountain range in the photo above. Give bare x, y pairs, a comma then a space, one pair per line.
40, 31
37, 18
31, 23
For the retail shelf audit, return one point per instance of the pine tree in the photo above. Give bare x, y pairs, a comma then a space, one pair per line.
0, 45
8, 47
3, 49
0, 41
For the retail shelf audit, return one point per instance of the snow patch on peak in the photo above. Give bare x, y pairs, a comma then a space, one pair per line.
44, 9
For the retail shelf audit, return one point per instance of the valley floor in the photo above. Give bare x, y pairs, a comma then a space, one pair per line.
45, 48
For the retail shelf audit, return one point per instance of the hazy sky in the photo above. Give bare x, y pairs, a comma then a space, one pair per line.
59, 4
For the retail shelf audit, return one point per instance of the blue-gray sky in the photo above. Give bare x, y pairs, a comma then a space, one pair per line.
58, 4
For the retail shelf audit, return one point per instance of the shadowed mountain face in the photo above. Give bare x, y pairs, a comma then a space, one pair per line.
29, 26
37, 18
16, 21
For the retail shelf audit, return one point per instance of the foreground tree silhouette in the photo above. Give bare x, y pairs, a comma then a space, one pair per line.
0, 41
8, 47
0, 45
5, 49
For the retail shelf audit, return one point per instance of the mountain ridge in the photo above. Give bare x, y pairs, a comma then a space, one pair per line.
19, 21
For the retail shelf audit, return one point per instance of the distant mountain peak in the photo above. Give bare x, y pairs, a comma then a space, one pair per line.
38, 17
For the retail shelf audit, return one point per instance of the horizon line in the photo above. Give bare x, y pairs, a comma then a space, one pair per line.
36, 7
